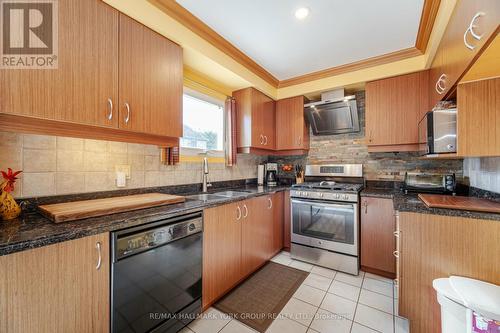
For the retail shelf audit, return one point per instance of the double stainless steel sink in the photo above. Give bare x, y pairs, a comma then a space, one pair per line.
218, 195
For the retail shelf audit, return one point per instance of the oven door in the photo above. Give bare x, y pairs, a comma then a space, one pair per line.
328, 225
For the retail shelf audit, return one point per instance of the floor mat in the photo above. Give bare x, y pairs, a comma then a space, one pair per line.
259, 299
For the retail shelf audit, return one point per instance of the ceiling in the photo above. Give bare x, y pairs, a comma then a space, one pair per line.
336, 32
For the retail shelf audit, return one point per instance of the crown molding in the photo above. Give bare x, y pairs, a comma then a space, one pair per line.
353, 66
183, 16
429, 13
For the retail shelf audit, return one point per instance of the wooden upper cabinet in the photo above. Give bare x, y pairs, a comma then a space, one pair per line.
85, 84
377, 236
394, 107
57, 288
292, 129
255, 120
151, 77
478, 118
458, 48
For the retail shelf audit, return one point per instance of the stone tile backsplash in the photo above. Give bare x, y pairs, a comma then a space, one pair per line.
352, 148
59, 165
483, 173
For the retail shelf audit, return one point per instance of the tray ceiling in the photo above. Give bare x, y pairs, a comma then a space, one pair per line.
335, 33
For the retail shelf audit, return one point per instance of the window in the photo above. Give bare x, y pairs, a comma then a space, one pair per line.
203, 121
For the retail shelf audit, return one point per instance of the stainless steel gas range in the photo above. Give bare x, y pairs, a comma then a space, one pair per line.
325, 216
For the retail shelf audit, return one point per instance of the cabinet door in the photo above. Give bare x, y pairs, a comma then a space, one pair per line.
257, 116
287, 220
478, 118
394, 107
277, 200
87, 74
56, 288
221, 251
263, 120
378, 224
453, 56
256, 233
269, 124
268, 227
291, 127
150, 81
436, 246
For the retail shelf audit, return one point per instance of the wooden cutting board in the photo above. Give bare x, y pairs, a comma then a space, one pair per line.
77, 210
457, 202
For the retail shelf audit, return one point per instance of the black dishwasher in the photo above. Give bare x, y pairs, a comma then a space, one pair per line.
156, 275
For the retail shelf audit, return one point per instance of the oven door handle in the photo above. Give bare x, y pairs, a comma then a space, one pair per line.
324, 204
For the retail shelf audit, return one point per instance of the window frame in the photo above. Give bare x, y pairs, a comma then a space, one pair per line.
189, 151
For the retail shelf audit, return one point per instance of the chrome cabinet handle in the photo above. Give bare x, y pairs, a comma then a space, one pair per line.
127, 118
472, 25
245, 211
471, 30
467, 45
99, 256
110, 103
265, 140
261, 139
439, 88
238, 215
365, 204
396, 234
396, 254
270, 203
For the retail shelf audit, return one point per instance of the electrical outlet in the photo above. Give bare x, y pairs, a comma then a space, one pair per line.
123, 168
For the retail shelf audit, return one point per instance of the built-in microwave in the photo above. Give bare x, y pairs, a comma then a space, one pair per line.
438, 132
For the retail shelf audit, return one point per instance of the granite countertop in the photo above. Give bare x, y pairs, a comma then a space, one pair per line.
411, 203
32, 230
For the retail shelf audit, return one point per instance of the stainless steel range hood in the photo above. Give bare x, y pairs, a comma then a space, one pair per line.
334, 114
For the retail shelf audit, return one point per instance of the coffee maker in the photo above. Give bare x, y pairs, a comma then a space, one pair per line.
271, 171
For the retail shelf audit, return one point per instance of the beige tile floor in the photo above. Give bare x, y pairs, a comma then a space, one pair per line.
327, 301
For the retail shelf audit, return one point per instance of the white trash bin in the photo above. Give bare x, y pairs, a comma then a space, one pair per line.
468, 305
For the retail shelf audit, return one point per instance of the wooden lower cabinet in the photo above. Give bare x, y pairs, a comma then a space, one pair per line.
221, 250
287, 220
257, 234
56, 288
377, 236
277, 208
435, 246
238, 238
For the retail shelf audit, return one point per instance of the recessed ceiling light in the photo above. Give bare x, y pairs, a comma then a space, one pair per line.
302, 13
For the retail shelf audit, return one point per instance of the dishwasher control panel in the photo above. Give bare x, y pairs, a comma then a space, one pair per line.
135, 241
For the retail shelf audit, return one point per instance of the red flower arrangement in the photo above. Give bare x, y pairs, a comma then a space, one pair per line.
10, 179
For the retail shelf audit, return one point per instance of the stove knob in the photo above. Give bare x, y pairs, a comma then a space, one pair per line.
307, 194
345, 197
337, 196
321, 195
